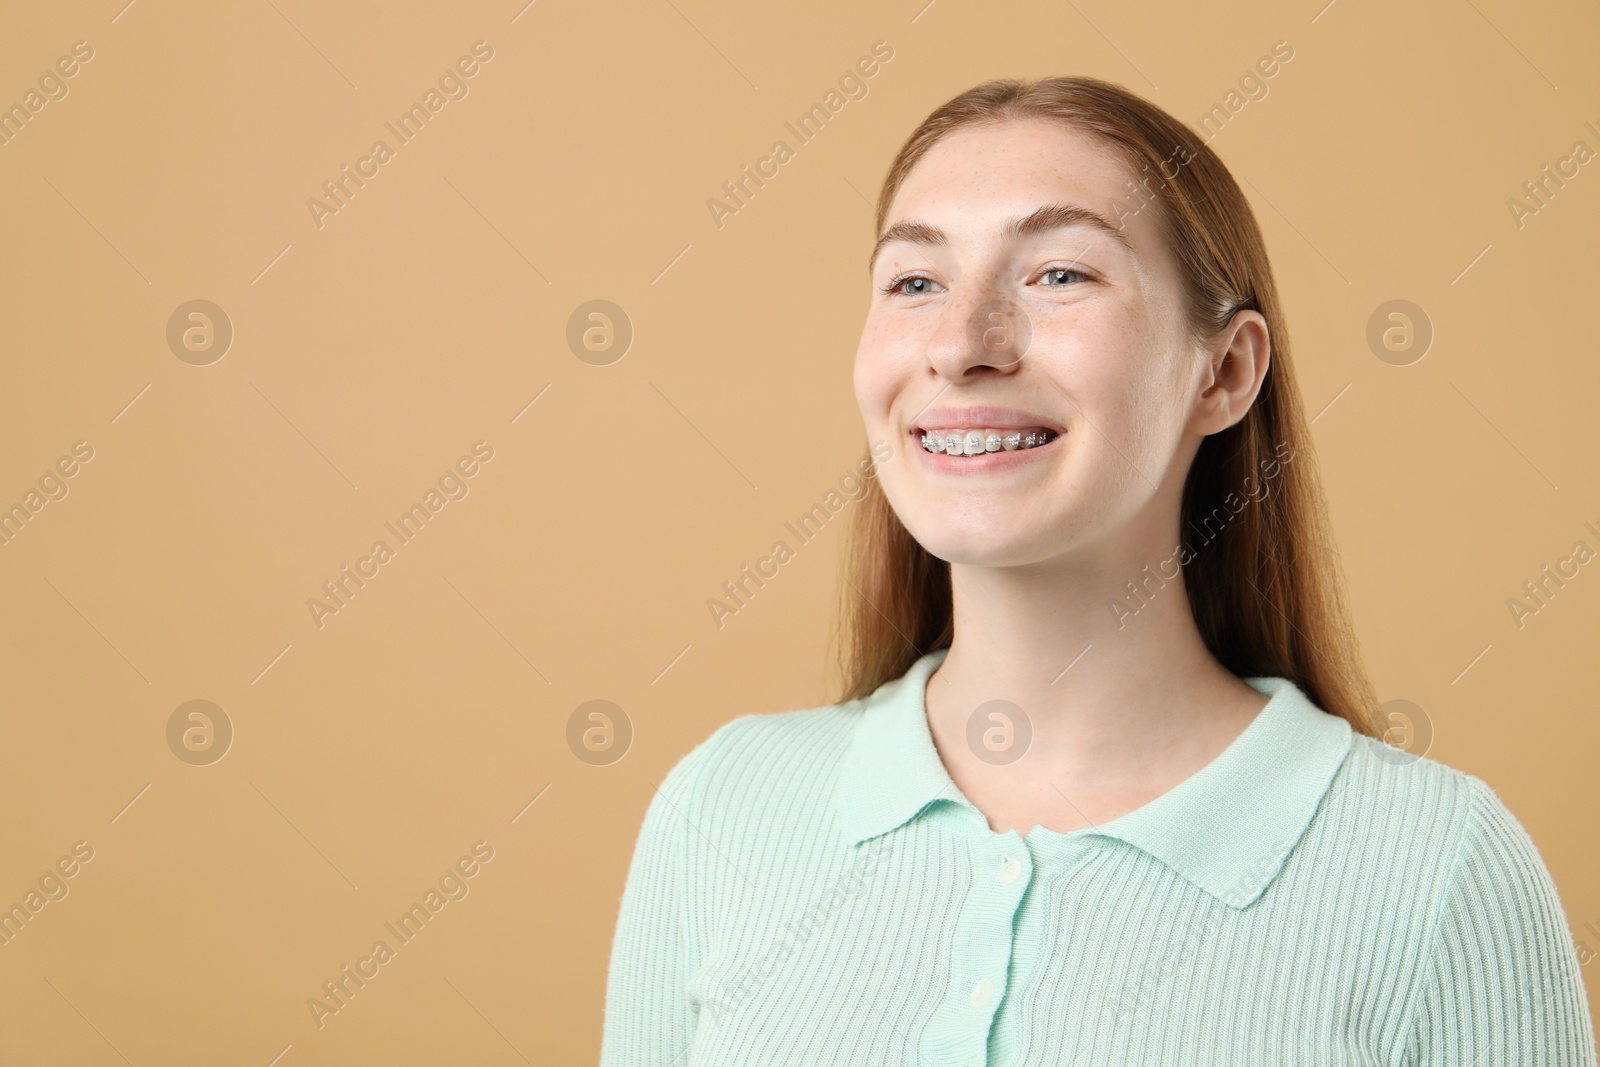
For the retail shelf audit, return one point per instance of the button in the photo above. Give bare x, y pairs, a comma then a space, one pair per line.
1009, 869
981, 991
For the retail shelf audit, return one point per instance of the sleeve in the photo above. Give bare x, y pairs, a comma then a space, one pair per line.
1502, 986
649, 1019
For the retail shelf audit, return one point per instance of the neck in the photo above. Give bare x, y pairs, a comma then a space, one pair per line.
1114, 685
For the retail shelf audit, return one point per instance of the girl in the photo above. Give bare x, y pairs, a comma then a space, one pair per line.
1106, 784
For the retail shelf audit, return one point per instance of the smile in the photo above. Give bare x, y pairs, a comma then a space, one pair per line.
978, 442
973, 451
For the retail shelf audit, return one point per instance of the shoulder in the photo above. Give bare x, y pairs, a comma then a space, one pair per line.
1459, 882
764, 760
1496, 955
1387, 784
1442, 803
1430, 844
1445, 814
1447, 837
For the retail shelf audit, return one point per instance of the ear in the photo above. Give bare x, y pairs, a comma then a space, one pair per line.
1235, 368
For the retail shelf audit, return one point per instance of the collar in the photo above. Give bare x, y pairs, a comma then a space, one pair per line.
1227, 828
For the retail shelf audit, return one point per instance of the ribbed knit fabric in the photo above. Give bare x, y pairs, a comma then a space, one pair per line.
811, 888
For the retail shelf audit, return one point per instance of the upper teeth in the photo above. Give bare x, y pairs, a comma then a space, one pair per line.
972, 442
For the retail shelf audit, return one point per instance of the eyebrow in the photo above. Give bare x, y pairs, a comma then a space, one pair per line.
1049, 217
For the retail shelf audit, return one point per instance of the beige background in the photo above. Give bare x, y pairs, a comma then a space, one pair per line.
369, 354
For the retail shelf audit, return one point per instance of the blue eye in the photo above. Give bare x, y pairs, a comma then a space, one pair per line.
893, 287
1062, 274
1061, 271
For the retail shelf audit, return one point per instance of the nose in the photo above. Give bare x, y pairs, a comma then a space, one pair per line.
983, 326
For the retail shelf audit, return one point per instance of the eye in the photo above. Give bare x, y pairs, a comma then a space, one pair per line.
1060, 273
893, 287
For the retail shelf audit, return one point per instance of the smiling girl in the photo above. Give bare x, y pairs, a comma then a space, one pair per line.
1034, 830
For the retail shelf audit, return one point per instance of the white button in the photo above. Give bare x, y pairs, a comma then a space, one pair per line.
981, 991
1009, 869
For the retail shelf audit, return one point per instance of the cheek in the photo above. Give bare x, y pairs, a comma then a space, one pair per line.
1155, 415
878, 372
1100, 356
1123, 375
867, 389
1145, 401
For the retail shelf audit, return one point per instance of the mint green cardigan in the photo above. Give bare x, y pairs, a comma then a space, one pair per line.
811, 888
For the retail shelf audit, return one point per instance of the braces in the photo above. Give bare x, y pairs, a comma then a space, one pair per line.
974, 442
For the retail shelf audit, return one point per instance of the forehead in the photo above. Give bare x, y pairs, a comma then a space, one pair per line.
975, 180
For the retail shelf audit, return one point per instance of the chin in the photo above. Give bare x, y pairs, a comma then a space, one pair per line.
985, 545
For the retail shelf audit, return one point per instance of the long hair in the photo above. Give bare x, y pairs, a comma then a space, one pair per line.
1266, 590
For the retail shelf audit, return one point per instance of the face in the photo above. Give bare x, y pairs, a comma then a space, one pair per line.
1061, 326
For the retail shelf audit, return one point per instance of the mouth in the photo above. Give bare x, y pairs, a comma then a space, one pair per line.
964, 442
983, 450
